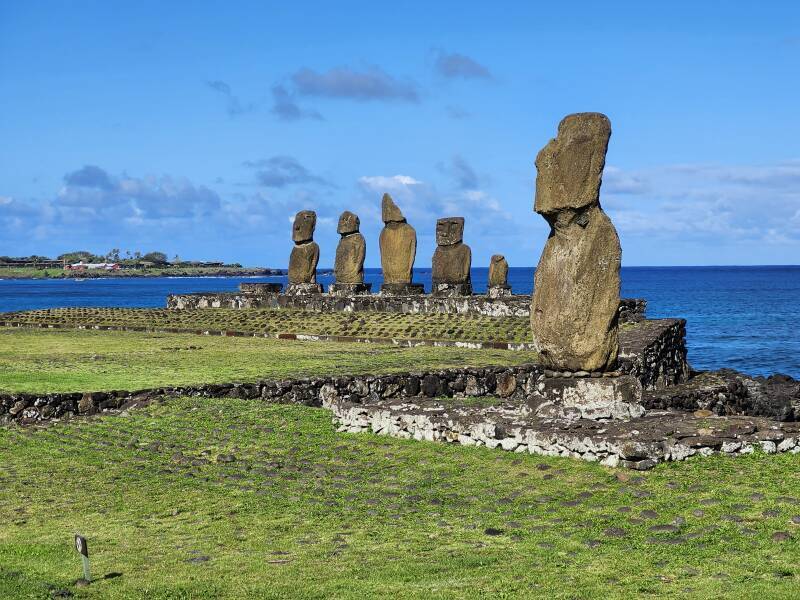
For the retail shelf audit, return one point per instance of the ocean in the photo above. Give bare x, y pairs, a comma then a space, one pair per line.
744, 318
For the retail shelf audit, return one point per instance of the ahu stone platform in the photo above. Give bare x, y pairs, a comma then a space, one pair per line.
631, 310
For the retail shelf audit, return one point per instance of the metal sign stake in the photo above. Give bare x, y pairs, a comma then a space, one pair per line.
83, 549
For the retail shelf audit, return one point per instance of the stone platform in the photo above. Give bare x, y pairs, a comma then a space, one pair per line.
631, 310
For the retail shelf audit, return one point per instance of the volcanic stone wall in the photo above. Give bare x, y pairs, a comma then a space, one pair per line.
655, 352
632, 443
517, 305
506, 382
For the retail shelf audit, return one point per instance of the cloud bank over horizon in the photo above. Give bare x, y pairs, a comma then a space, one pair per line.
709, 205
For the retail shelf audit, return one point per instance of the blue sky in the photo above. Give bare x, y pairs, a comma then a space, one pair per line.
199, 129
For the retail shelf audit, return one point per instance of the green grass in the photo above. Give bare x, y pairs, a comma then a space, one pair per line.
365, 324
305, 512
34, 360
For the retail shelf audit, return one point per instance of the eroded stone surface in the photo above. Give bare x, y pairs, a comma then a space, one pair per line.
303, 228
574, 314
398, 244
591, 398
452, 258
570, 166
351, 251
303, 263
305, 254
498, 271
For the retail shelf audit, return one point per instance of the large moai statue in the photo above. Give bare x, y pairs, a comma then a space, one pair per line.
452, 259
349, 266
398, 243
498, 277
305, 256
576, 287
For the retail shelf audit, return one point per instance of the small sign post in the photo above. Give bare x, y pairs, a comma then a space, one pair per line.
83, 549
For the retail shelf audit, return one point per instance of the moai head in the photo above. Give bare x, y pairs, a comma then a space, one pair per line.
390, 213
570, 166
348, 223
303, 228
497, 260
449, 231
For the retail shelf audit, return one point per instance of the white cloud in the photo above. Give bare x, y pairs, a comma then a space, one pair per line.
385, 183
711, 203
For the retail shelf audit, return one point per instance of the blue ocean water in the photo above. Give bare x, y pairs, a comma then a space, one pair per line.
745, 318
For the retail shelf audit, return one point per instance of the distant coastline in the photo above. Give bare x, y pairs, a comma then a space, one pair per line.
34, 273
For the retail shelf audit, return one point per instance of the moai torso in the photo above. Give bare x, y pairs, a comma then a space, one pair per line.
498, 271
452, 258
305, 254
398, 244
303, 263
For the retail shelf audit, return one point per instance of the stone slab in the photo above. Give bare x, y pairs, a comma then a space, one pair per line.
260, 288
349, 289
303, 289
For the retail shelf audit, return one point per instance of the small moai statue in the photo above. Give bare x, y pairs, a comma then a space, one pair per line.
349, 266
452, 259
398, 244
305, 256
498, 277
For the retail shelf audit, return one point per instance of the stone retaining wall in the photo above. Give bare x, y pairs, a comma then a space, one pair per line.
728, 392
505, 382
631, 309
639, 443
655, 352
508, 382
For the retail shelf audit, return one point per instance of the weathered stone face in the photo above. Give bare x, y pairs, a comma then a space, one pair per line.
449, 231
452, 258
350, 253
303, 263
498, 271
303, 229
570, 166
348, 223
451, 264
390, 213
574, 311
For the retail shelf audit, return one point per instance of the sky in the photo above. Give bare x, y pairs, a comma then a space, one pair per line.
200, 128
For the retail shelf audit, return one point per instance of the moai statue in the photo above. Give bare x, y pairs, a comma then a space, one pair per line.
305, 256
350, 253
498, 277
576, 287
398, 244
451, 260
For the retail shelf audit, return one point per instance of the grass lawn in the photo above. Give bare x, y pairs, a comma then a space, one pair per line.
366, 324
35, 360
205, 498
